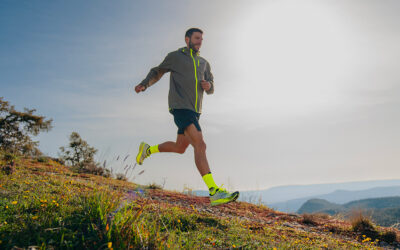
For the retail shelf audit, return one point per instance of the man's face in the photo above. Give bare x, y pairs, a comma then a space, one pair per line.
195, 41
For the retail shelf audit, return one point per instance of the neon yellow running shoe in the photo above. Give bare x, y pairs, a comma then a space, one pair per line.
142, 154
221, 196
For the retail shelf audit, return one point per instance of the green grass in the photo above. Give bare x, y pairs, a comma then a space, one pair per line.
43, 209
49, 206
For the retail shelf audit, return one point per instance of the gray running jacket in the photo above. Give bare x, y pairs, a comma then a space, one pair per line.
187, 70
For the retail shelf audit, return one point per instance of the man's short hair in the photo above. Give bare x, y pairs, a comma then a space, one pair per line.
190, 31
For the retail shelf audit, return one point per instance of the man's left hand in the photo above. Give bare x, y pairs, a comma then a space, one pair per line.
205, 85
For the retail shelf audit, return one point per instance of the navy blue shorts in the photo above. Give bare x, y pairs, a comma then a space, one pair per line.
185, 117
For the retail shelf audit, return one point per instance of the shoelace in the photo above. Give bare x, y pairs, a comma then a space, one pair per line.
148, 153
222, 189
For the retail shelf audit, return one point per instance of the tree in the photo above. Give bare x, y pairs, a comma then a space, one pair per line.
80, 156
16, 129
78, 153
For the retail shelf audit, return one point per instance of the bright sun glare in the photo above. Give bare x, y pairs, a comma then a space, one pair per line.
294, 59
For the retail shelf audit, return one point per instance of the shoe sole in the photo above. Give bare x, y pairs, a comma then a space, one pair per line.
139, 155
233, 198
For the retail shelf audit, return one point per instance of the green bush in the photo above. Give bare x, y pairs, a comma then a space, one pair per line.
389, 237
121, 177
43, 159
9, 158
154, 186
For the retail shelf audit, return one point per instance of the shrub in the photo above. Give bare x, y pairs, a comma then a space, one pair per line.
154, 186
43, 159
121, 177
78, 153
389, 237
58, 160
80, 156
363, 225
9, 158
8, 169
309, 219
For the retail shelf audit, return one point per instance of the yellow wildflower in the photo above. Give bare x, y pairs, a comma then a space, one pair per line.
34, 217
109, 243
179, 221
14, 202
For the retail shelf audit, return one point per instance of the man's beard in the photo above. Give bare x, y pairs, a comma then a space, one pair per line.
191, 45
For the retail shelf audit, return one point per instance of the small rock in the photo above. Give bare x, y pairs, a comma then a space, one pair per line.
287, 224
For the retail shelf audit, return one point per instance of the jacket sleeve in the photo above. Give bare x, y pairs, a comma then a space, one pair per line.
156, 73
208, 76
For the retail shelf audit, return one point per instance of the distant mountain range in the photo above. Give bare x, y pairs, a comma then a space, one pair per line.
285, 193
383, 211
338, 196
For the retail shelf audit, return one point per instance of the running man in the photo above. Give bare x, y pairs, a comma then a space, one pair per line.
190, 77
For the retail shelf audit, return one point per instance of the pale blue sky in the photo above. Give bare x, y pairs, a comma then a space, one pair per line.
306, 92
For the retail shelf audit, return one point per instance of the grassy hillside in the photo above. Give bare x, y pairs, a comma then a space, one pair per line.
45, 204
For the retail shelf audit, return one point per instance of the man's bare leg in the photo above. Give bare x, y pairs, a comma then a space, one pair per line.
145, 150
179, 146
195, 138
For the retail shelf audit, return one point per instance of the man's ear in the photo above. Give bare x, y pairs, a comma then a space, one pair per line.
187, 40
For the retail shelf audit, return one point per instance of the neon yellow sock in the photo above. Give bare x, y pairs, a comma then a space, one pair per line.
208, 179
154, 149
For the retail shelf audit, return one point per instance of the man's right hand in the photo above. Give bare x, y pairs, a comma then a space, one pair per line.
139, 88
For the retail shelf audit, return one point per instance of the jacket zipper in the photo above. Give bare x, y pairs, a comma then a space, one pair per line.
195, 75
